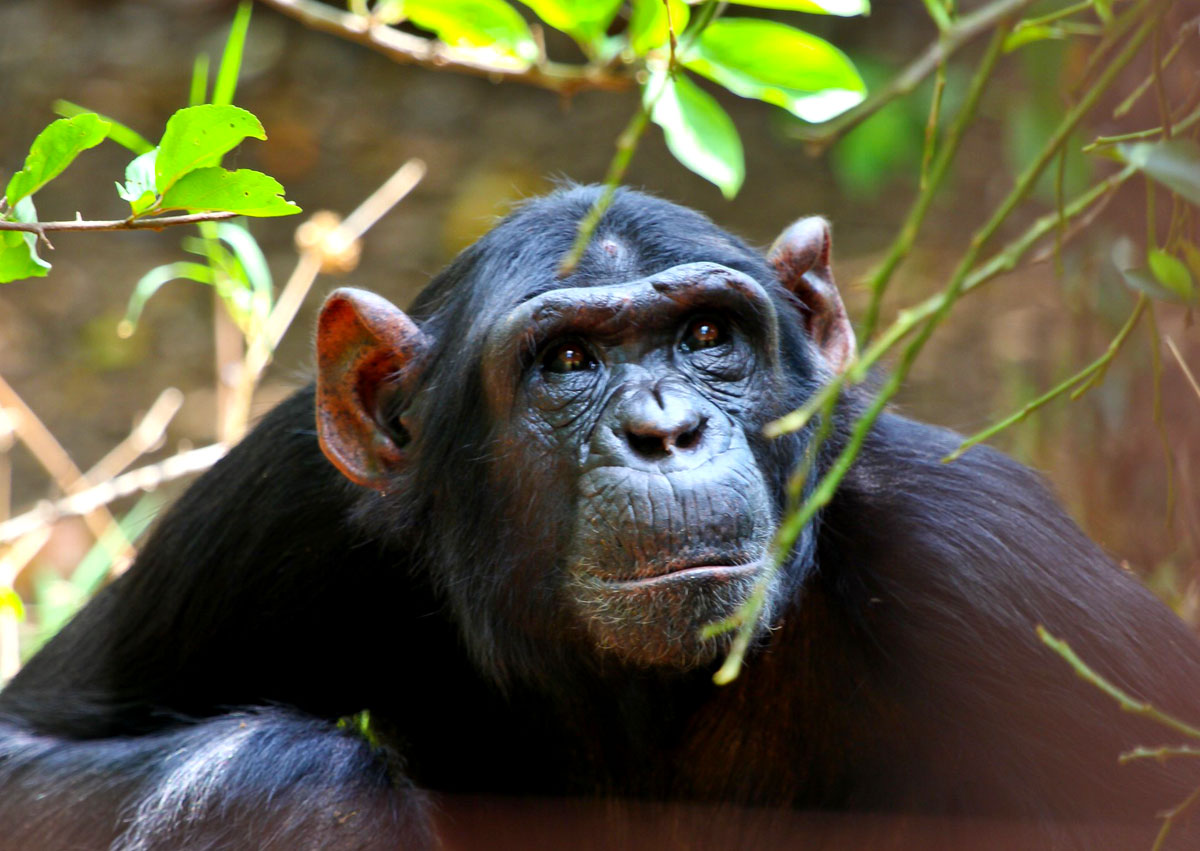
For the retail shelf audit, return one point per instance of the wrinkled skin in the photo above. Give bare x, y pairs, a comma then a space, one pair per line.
645, 388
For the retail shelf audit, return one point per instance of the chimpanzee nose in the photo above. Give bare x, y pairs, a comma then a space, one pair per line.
656, 424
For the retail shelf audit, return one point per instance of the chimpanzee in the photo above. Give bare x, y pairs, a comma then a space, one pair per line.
501, 534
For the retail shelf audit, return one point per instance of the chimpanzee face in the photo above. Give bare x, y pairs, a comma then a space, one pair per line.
579, 464
642, 393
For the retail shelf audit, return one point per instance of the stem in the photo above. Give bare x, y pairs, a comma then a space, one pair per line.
1090, 374
960, 33
158, 223
1004, 260
627, 144
825, 489
408, 49
1127, 703
878, 281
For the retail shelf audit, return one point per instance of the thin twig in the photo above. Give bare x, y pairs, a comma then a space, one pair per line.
262, 347
961, 32
791, 527
1089, 376
900, 248
144, 437
55, 460
152, 223
95, 498
402, 47
1170, 816
1183, 365
1161, 754
1124, 700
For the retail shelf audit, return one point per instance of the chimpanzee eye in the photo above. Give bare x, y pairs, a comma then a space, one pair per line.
570, 356
704, 332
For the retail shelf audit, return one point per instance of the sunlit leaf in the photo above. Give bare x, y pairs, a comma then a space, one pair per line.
138, 188
583, 20
1032, 34
53, 150
247, 192
1171, 272
489, 24
781, 65
1175, 164
648, 23
699, 133
845, 8
197, 137
18, 249
117, 132
10, 604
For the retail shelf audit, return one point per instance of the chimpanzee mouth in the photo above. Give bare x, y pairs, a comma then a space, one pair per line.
688, 572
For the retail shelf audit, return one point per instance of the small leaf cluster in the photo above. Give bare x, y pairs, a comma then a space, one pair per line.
1171, 271
753, 58
182, 173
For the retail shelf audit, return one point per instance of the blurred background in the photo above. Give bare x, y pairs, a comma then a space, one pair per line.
341, 119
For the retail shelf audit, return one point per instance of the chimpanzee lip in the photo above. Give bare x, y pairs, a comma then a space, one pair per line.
688, 573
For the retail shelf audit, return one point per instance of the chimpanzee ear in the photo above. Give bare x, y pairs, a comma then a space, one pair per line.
366, 347
801, 258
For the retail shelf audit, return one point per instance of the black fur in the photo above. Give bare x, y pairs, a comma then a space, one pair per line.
194, 703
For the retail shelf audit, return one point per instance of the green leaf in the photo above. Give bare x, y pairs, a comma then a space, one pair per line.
1192, 253
1104, 10
10, 603
53, 150
781, 65
117, 132
583, 20
246, 192
1142, 279
475, 24
197, 137
18, 249
845, 8
1031, 34
648, 24
1171, 273
150, 283
1175, 164
138, 188
698, 132
231, 57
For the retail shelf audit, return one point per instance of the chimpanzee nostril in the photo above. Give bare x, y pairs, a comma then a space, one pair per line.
690, 438
652, 447
656, 443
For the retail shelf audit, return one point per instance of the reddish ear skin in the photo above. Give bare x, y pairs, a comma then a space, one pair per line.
363, 343
801, 258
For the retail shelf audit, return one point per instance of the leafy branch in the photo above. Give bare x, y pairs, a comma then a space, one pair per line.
1129, 703
564, 78
1149, 13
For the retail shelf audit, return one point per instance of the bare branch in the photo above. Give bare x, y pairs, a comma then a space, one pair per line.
159, 223
94, 498
408, 49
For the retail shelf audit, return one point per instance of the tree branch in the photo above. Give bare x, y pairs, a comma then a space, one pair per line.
408, 49
960, 33
159, 223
